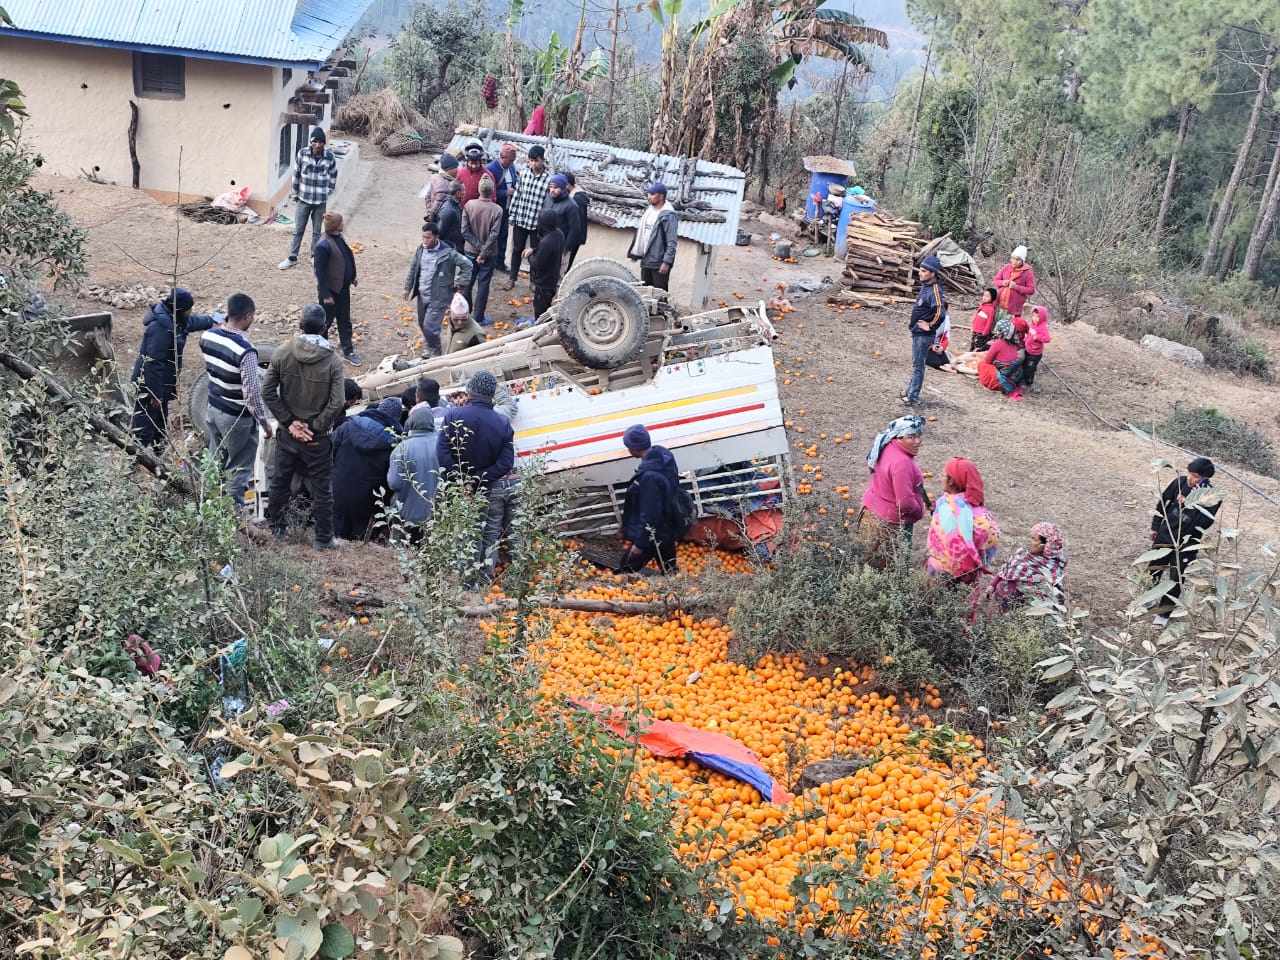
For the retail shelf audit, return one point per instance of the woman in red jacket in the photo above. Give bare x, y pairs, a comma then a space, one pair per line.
1015, 283
997, 370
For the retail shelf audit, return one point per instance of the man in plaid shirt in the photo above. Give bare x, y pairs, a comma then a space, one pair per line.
315, 174
530, 196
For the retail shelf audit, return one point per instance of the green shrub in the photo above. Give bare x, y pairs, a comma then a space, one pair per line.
1212, 433
1236, 296
820, 599
1226, 349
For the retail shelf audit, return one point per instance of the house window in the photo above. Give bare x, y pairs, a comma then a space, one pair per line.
285, 76
302, 138
159, 76
286, 147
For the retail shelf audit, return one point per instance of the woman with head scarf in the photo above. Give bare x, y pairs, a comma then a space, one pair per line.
894, 499
1035, 572
963, 536
998, 369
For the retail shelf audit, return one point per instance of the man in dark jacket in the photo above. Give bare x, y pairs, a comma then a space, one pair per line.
449, 218
335, 267
650, 509
1187, 509
926, 317
476, 442
505, 178
561, 204
155, 372
481, 227
361, 457
544, 262
436, 273
304, 390
657, 236
583, 201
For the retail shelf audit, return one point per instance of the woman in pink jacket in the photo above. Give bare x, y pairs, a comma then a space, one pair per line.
1015, 283
894, 499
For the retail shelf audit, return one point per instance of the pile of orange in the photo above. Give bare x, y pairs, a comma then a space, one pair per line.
910, 809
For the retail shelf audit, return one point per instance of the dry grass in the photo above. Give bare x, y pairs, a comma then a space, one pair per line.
378, 116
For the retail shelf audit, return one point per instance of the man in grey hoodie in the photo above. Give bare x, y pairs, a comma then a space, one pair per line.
305, 392
656, 238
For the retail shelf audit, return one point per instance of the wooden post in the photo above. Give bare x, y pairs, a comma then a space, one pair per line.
133, 144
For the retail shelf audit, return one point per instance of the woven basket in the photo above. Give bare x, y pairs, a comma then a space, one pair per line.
402, 142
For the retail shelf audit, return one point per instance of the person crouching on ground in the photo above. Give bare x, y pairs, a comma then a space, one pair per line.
650, 508
999, 369
927, 314
463, 330
414, 473
361, 459
436, 273
894, 500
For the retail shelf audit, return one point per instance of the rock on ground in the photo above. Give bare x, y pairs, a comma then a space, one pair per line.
1177, 352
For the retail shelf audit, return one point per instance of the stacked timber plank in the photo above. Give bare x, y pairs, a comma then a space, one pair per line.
882, 253
879, 260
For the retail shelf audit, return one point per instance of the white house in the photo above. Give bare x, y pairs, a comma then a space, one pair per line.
118, 86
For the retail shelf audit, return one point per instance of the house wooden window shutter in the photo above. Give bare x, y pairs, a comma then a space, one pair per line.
160, 76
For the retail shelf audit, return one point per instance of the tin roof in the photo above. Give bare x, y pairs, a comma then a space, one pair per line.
833, 165
720, 186
283, 32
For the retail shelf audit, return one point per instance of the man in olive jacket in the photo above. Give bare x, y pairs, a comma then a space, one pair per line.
304, 391
436, 273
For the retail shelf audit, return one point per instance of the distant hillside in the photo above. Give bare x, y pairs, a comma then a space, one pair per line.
544, 17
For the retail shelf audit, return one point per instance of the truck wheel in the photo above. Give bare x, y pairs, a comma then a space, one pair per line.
602, 323
596, 267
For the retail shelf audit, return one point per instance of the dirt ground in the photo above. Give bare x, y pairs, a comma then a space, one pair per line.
841, 370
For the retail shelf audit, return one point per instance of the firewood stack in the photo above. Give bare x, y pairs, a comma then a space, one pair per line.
881, 256
879, 260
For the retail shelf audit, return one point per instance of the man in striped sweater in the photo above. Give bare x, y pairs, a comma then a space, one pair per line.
236, 409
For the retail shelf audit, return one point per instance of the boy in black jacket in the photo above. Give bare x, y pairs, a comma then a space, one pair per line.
544, 262
926, 316
1184, 514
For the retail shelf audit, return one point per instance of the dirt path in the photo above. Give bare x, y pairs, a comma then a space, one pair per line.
1046, 458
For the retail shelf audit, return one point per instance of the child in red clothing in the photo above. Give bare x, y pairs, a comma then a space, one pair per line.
1034, 338
983, 321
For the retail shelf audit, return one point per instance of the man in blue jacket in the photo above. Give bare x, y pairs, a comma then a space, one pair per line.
155, 372
505, 178
649, 513
476, 442
926, 317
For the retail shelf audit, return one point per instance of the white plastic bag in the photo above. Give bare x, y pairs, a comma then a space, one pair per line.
232, 200
459, 307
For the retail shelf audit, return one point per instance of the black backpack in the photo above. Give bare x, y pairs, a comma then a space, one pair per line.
680, 511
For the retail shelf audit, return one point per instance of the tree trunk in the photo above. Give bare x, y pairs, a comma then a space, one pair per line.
1267, 210
1211, 250
1166, 198
835, 123
915, 115
610, 129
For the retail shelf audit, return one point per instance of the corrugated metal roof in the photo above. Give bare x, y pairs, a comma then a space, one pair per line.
719, 185
302, 32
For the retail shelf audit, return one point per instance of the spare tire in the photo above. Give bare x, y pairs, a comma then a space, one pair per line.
594, 267
198, 400
602, 323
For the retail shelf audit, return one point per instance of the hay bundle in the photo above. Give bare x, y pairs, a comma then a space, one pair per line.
378, 116
403, 142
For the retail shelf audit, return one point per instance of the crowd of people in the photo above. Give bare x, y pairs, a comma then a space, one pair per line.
1008, 335
964, 539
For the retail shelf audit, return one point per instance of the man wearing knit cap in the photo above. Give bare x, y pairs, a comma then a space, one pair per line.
566, 211
1186, 511
440, 185
315, 175
656, 238
476, 442
472, 172
159, 362
651, 511
527, 202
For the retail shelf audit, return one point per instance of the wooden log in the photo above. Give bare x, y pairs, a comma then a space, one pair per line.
622, 607
116, 435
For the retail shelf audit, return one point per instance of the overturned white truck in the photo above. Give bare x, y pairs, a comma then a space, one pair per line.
611, 352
